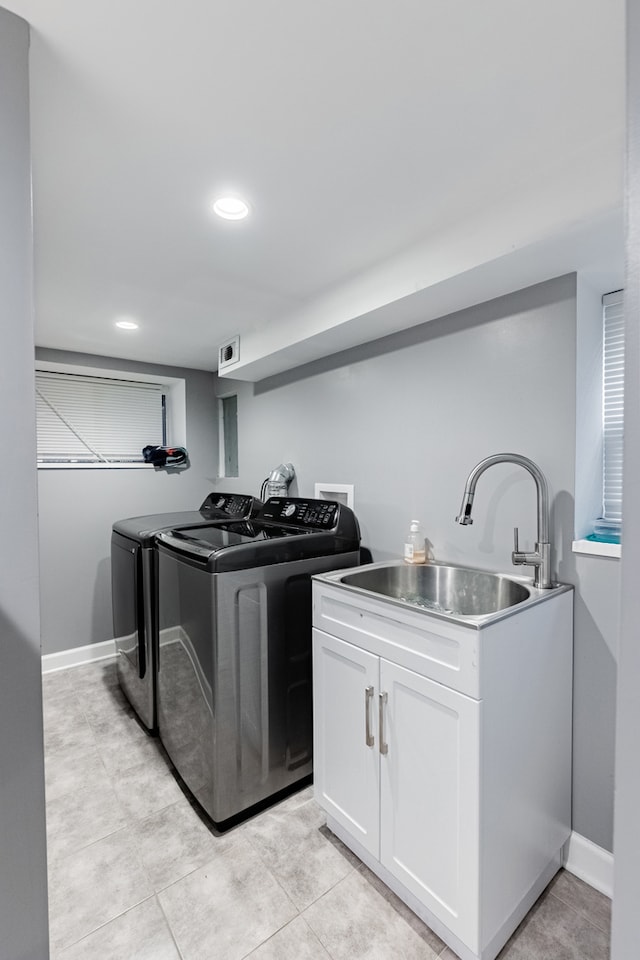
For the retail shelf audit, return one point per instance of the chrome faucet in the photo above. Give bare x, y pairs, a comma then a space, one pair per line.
541, 557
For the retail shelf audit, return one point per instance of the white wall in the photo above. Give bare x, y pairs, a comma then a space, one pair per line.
78, 508
23, 870
405, 419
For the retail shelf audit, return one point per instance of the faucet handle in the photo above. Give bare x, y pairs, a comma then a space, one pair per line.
517, 557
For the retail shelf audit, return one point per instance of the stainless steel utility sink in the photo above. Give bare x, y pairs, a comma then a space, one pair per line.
440, 589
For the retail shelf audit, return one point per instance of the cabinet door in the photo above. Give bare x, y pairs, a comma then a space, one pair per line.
429, 814
346, 767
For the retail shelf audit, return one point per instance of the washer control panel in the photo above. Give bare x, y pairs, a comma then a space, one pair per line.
314, 514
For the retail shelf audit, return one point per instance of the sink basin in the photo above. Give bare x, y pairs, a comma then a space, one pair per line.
456, 591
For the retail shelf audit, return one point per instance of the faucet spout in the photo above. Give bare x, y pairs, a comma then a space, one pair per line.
540, 558
464, 517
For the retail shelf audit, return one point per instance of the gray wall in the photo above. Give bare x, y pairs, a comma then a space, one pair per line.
23, 870
78, 508
405, 419
626, 884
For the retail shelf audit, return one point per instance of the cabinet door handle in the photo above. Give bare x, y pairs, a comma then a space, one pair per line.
368, 697
384, 747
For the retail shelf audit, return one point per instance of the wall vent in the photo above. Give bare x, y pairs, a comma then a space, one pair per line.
229, 353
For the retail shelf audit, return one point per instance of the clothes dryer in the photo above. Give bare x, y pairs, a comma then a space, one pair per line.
134, 597
234, 669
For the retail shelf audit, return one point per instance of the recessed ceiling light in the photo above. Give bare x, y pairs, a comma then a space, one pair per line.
231, 208
127, 324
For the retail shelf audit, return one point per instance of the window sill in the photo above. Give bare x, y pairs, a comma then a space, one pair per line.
594, 549
78, 465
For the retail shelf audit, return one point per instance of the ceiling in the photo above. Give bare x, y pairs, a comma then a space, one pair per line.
401, 159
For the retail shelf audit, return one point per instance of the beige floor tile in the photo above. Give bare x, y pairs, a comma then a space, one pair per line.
409, 917
146, 787
62, 711
101, 673
353, 922
553, 930
101, 703
64, 736
139, 934
56, 683
93, 886
226, 908
174, 842
122, 747
296, 941
583, 898
70, 770
121, 723
291, 842
81, 817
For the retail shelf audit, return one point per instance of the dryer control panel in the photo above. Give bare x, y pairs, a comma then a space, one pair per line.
236, 506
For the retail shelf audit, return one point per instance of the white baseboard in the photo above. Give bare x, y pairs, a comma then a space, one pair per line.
78, 655
590, 863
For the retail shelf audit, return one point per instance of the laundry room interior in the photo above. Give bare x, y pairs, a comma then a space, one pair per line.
386, 350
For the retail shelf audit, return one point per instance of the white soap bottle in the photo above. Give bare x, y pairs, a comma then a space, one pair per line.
414, 546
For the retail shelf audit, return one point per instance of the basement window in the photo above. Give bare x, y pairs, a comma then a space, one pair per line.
92, 421
613, 409
600, 425
228, 435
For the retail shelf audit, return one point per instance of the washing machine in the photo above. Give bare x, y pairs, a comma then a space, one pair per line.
134, 597
234, 667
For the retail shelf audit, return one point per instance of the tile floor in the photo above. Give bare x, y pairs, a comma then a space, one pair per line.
135, 873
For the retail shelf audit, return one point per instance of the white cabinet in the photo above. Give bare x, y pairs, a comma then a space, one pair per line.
396, 765
428, 794
458, 794
347, 772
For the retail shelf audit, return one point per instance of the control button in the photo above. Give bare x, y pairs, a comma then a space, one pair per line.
289, 510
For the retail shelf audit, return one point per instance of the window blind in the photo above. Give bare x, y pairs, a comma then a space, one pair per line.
613, 404
82, 419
